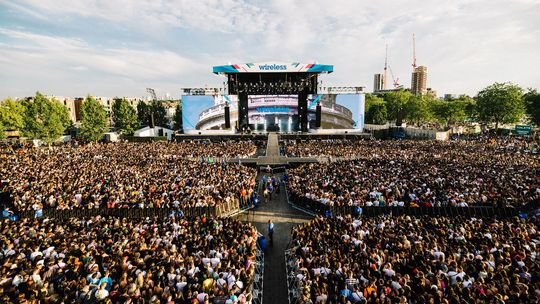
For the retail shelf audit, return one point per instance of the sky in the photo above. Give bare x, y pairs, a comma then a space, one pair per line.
121, 47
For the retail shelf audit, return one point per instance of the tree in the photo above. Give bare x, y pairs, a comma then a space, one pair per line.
500, 103
371, 100
2, 131
178, 117
93, 119
159, 112
471, 112
375, 110
396, 103
455, 110
11, 114
532, 105
417, 109
377, 114
153, 114
441, 111
124, 116
143, 114
45, 119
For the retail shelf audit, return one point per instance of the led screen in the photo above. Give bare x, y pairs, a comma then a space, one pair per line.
338, 111
207, 112
274, 113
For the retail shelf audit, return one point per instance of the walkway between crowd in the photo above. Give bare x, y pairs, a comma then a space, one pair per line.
272, 146
284, 218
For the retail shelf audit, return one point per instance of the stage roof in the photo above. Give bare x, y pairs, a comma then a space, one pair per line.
273, 67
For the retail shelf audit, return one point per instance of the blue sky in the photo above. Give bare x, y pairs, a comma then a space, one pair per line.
109, 48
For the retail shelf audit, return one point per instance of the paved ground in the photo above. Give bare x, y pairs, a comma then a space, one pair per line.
284, 218
272, 146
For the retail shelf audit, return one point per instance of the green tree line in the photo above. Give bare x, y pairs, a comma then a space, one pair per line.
47, 119
499, 103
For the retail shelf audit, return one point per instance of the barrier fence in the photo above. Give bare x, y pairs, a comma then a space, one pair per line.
257, 284
326, 210
222, 210
294, 287
295, 277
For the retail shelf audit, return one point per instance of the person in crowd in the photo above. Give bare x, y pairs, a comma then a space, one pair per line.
350, 149
405, 259
116, 260
271, 231
122, 175
418, 173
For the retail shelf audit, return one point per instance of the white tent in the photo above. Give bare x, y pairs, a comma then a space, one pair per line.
154, 132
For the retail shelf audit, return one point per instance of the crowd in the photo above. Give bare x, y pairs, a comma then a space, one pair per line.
114, 260
343, 148
417, 260
421, 173
221, 149
120, 175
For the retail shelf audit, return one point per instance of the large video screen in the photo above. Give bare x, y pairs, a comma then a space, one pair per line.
338, 111
274, 113
207, 112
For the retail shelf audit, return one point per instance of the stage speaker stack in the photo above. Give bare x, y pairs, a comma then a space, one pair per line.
303, 110
243, 118
227, 117
180, 123
318, 113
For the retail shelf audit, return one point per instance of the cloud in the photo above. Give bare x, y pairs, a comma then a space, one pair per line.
210, 15
465, 44
23, 9
131, 63
66, 60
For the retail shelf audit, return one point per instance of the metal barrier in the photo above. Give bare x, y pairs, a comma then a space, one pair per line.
474, 211
222, 210
293, 284
258, 282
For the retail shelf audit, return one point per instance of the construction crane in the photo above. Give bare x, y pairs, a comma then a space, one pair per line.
414, 52
385, 68
394, 79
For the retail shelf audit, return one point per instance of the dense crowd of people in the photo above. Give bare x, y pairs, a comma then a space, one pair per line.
114, 260
417, 260
422, 173
385, 259
120, 175
220, 149
344, 148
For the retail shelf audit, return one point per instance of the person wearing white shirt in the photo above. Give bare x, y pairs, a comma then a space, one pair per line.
201, 297
357, 295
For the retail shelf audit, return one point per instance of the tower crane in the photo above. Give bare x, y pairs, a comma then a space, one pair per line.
394, 79
414, 51
385, 80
